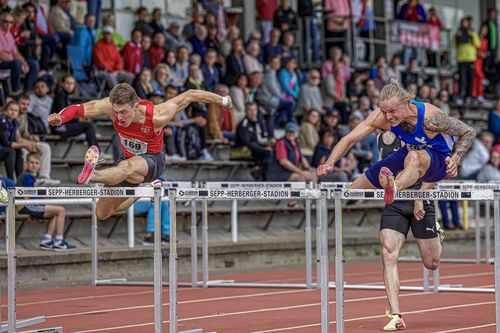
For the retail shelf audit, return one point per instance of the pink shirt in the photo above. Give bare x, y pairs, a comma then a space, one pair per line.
8, 45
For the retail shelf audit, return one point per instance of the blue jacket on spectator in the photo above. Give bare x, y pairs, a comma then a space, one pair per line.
8, 129
211, 77
494, 123
85, 40
234, 67
271, 51
289, 82
199, 46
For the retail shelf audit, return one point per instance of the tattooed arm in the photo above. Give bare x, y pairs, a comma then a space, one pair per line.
438, 122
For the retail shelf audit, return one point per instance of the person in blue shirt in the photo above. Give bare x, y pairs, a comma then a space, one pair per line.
56, 214
435, 143
85, 38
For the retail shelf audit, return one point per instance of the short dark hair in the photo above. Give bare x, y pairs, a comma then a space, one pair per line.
123, 93
33, 155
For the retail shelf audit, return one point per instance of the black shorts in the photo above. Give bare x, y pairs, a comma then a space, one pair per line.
35, 211
156, 167
399, 217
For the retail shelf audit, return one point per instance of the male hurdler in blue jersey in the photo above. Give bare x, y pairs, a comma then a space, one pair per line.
435, 143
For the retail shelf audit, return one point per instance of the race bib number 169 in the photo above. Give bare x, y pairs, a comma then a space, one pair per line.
134, 146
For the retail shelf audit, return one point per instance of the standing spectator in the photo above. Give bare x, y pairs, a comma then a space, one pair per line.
310, 34
157, 49
11, 58
309, 133
321, 153
143, 84
107, 59
117, 38
198, 40
285, 17
310, 94
49, 39
161, 77
393, 69
239, 95
290, 164
10, 146
265, 14
85, 38
65, 87
251, 59
221, 121
478, 156
61, 22
142, 22
94, 8
148, 207
492, 36
25, 34
42, 147
435, 21
482, 51
273, 47
132, 53
490, 172
466, 41
234, 63
210, 72
56, 214
413, 12
146, 45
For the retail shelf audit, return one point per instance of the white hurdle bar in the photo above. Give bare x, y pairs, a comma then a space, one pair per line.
16, 196
229, 194
455, 195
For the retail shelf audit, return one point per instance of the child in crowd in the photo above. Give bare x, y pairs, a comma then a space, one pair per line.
56, 214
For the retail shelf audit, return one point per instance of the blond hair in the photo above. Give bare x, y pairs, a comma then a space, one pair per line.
393, 89
123, 93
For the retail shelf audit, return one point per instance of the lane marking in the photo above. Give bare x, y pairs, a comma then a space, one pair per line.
466, 328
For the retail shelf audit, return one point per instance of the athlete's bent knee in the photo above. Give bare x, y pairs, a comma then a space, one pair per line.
102, 213
432, 264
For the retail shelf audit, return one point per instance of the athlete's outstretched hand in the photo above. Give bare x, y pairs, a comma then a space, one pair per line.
55, 119
418, 209
324, 169
451, 167
229, 103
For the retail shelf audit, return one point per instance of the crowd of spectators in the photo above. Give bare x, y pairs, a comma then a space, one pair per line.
285, 118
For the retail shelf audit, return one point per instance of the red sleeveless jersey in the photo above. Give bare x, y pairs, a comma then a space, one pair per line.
138, 138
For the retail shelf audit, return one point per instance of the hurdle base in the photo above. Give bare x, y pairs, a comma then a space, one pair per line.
441, 288
449, 260
24, 323
46, 330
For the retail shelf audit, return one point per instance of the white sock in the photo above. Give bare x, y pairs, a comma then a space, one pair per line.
47, 237
59, 238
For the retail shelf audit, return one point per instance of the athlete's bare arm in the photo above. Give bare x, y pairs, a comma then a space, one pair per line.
165, 112
91, 109
375, 120
438, 122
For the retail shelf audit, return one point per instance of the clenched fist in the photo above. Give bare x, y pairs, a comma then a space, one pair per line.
55, 120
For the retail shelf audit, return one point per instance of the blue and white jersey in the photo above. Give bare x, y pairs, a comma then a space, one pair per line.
418, 140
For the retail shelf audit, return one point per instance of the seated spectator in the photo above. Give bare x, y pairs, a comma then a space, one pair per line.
171, 131
355, 87
10, 145
393, 69
143, 84
146, 45
285, 17
289, 80
117, 38
411, 75
366, 150
249, 141
181, 66
212, 41
239, 95
380, 62
4, 6
322, 152
290, 164
156, 21
494, 121
442, 102
274, 47
490, 172
49, 40
43, 148
41, 102
380, 78
288, 44
234, 63
65, 87
423, 94
198, 40
331, 120
62, 23
24, 33
142, 23
221, 121
266, 119
11, 58
107, 59
334, 92
251, 59
173, 37
197, 18
132, 53
56, 214
211, 73
335, 58
233, 33
364, 106
85, 38
157, 49
309, 133
310, 94
477, 157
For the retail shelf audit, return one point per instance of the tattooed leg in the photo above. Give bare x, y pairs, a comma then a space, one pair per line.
416, 165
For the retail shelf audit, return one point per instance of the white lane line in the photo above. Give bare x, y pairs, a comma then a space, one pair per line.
467, 328
380, 316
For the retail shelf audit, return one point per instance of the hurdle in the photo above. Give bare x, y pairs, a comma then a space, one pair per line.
457, 195
17, 195
229, 194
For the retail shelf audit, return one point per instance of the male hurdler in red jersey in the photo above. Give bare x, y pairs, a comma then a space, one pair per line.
139, 125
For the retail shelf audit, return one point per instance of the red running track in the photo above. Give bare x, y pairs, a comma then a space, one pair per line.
128, 309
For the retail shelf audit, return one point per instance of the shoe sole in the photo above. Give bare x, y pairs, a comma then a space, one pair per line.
63, 250
90, 162
4, 197
386, 180
46, 248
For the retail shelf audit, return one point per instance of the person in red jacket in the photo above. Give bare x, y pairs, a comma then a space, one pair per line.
108, 60
265, 14
132, 53
157, 50
482, 51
